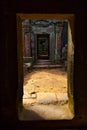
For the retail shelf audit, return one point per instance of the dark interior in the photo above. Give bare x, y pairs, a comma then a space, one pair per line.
43, 46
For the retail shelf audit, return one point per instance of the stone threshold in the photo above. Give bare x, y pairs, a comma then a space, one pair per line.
47, 66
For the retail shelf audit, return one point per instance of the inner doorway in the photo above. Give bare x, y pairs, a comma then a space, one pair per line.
43, 46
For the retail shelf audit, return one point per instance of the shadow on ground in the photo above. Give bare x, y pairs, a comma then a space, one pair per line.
29, 115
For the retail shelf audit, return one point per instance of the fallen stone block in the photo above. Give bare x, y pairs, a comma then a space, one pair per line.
46, 98
28, 65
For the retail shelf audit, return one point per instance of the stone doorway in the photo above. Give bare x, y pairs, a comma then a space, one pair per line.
69, 65
43, 46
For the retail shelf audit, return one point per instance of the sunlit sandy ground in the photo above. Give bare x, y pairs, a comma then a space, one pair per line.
45, 95
46, 80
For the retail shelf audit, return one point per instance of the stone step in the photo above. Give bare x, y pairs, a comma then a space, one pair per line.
43, 62
47, 66
47, 98
52, 98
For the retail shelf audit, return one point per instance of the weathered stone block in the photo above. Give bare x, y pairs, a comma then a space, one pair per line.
46, 98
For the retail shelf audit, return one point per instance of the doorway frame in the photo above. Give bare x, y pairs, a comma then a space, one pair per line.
20, 17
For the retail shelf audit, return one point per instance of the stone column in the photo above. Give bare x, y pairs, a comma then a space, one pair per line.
60, 28
56, 43
26, 38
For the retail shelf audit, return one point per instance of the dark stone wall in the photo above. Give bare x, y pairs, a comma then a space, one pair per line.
65, 34
8, 61
8, 49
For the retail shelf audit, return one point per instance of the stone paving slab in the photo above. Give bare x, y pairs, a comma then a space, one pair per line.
29, 101
62, 98
46, 98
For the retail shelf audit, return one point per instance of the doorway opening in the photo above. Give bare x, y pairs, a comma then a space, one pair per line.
43, 46
46, 62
